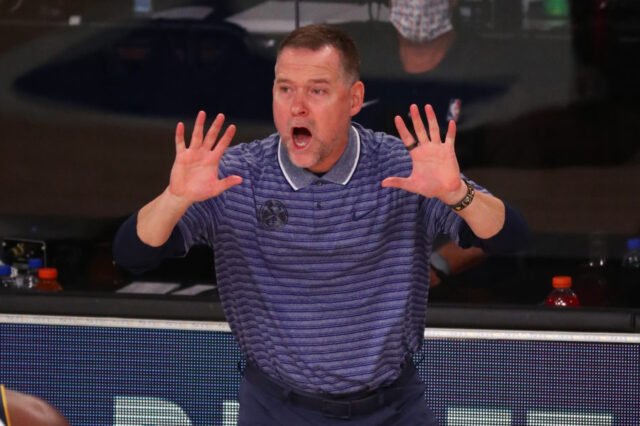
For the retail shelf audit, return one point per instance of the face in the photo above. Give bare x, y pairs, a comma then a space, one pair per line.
313, 103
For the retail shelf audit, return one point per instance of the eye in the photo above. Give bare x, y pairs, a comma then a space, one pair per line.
284, 89
318, 91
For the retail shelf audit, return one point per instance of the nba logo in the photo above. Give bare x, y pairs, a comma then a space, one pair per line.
454, 109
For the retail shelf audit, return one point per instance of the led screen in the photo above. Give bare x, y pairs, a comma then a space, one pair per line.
98, 375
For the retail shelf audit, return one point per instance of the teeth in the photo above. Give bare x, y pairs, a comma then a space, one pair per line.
301, 140
300, 143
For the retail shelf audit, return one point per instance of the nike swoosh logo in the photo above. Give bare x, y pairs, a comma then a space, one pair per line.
357, 216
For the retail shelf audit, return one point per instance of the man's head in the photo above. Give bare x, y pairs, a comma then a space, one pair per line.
315, 93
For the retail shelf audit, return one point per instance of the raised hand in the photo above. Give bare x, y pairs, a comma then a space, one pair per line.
435, 167
194, 175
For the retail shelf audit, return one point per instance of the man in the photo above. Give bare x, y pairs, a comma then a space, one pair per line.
19, 409
322, 235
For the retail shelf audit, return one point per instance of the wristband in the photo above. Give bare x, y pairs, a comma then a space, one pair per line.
466, 200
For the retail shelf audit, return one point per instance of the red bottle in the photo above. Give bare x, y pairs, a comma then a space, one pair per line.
48, 280
562, 295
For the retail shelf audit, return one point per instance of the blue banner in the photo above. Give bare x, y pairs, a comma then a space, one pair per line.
132, 376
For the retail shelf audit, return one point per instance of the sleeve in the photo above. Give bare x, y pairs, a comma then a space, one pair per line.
515, 234
136, 256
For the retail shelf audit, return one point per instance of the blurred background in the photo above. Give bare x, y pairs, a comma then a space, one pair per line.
544, 93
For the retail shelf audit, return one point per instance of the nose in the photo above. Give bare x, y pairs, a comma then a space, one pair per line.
299, 106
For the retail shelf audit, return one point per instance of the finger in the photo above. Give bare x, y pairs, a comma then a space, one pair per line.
434, 129
196, 135
396, 182
214, 130
403, 132
180, 147
224, 142
451, 134
418, 125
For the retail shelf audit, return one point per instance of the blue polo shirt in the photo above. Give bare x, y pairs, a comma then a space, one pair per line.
323, 280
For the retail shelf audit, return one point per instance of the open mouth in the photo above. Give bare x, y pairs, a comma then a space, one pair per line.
301, 137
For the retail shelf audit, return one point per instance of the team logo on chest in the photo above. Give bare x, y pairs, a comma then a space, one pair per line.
273, 215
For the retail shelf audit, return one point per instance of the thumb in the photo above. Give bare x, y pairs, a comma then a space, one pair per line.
396, 182
230, 181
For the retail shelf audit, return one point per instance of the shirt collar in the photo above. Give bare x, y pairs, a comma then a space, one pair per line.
340, 173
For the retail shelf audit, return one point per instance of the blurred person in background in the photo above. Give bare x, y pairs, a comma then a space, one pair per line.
20, 409
425, 32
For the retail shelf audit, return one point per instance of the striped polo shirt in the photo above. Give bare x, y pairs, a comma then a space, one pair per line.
323, 280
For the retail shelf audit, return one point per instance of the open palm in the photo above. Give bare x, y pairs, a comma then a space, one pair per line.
436, 172
194, 175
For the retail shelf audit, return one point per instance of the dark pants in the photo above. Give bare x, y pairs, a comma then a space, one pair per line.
263, 403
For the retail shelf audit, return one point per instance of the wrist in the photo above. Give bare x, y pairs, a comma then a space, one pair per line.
175, 203
466, 199
456, 195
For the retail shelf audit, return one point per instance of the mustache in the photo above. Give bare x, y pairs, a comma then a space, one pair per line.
297, 123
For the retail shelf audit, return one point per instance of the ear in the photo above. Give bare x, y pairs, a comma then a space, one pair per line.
356, 94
